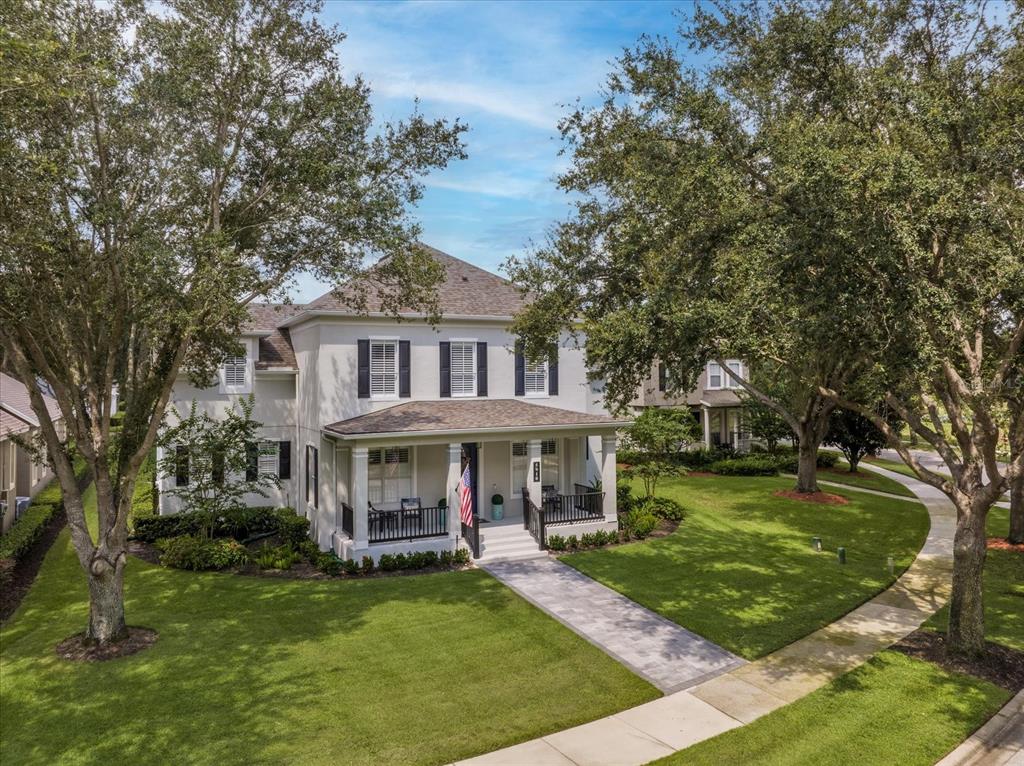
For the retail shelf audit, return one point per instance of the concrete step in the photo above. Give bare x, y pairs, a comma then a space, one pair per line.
534, 554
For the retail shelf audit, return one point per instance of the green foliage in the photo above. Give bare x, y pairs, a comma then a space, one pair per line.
764, 422
751, 465
240, 523
664, 508
144, 497
658, 433
281, 557
201, 553
638, 523
367, 566
497, 500
331, 565
292, 528
789, 462
26, 530
856, 436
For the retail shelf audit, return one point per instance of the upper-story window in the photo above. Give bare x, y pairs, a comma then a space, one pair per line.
383, 368
535, 377
718, 378
463, 367
235, 371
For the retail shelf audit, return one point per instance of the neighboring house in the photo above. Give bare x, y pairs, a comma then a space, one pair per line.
370, 422
714, 403
21, 478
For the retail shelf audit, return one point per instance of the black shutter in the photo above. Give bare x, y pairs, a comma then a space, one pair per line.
308, 471
364, 373
284, 460
662, 377
481, 369
180, 465
553, 372
316, 477
404, 363
252, 462
520, 371
445, 351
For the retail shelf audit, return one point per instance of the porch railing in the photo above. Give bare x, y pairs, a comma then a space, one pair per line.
574, 509
472, 536
408, 524
348, 521
533, 520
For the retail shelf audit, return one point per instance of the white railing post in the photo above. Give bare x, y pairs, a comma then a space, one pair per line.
360, 496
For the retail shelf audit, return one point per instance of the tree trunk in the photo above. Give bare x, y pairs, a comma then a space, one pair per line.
967, 604
807, 467
1016, 535
854, 461
106, 603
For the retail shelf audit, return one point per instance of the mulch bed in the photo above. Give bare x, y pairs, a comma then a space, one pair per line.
664, 529
1000, 665
76, 649
1003, 544
25, 570
826, 498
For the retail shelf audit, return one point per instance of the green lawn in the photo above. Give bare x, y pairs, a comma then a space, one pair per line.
423, 669
1004, 590
896, 466
740, 569
892, 709
863, 478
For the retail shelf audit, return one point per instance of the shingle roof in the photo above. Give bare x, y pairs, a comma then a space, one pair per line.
465, 415
467, 290
12, 424
14, 397
275, 349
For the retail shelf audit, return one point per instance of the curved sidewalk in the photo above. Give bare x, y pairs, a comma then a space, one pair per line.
674, 722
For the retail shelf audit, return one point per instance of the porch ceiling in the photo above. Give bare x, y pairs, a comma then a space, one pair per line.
469, 416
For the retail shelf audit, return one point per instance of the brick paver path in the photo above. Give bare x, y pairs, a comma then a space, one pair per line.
656, 649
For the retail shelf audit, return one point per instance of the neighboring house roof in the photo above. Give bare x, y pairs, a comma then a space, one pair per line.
275, 344
466, 290
12, 424
467, 415
716, 397
16, 402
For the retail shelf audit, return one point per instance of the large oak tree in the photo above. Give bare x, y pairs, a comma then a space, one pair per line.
160, 168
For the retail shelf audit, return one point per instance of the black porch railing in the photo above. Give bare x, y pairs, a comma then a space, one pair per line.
472, 536
348, 521
407, 524
533, 520
573, 509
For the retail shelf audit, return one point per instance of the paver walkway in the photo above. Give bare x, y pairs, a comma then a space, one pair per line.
656, 649
656, 729
1000, 742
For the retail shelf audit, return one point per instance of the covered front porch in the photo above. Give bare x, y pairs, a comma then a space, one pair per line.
398, 490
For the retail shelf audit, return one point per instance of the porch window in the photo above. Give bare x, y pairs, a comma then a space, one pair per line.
535, 377
463, 368
521, 462
383, 368
234, 372
389, 474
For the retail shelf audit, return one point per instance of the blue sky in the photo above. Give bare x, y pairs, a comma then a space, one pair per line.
507, 69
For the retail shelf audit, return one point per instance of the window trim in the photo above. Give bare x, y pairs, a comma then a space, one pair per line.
514, 492
260, 445
727, 383
230, 388
544, 392
393, 341
413, 487
472, 343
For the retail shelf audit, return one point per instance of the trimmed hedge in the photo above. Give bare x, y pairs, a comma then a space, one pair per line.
753, 465
239, 523
144, 496
199, 554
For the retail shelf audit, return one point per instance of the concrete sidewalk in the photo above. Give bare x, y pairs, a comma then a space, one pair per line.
659, 728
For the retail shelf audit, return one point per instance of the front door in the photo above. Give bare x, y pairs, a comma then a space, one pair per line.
470, 454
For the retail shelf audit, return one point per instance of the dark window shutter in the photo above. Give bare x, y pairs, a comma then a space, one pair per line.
284, 460
662, 377
364, 372
217, 467
445, 351
308, 470
316, 477
520, 371
481, 369
404, 365
553, 372
252, 462
180, 465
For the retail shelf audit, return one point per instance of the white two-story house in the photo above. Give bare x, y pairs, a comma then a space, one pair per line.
370, 422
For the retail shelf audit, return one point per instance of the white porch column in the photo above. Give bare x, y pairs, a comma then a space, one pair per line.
534, 472
359, 492
608, 476
707, 426
451, 489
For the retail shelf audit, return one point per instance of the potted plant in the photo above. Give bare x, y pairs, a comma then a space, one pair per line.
497, 507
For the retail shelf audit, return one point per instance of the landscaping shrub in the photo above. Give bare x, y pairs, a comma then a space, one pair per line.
827, 459
144, 496
279, 557
244, 522
331, 565
291, 527
240, 523
200, 554
152, 528
387, 562
638, 523
624, 497
664, 508
557, 543
751, 465
790, 462
367, 566
351, 566
27, 529
461, 557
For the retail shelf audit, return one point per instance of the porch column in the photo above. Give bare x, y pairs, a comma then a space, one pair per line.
707, 426
608, 477
534, 472
451, 489
359, 492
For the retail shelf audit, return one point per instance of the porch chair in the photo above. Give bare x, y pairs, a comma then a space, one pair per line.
412, 508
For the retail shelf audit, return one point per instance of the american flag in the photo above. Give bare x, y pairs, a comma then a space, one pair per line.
466, 499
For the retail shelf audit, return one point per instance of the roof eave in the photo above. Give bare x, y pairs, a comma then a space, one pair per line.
611, 425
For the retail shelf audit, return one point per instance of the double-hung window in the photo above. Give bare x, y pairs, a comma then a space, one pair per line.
535, 378
718, 378
234, 373
383, 369
463, 367
269, 458
389, 474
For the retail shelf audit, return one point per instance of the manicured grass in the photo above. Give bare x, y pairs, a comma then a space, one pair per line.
1004, 590
412, 670
740, 569
896, 466
892, 709
863, 478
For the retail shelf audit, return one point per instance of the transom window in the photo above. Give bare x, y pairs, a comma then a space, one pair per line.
383, 368
521, 463
463, 368
234, 371
389, 474
535, 378
269, 458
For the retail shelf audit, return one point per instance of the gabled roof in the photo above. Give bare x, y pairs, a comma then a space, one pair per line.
275, 344
16, 403
466, 290
466, 415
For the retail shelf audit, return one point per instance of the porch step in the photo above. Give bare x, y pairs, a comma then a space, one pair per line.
507, 543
